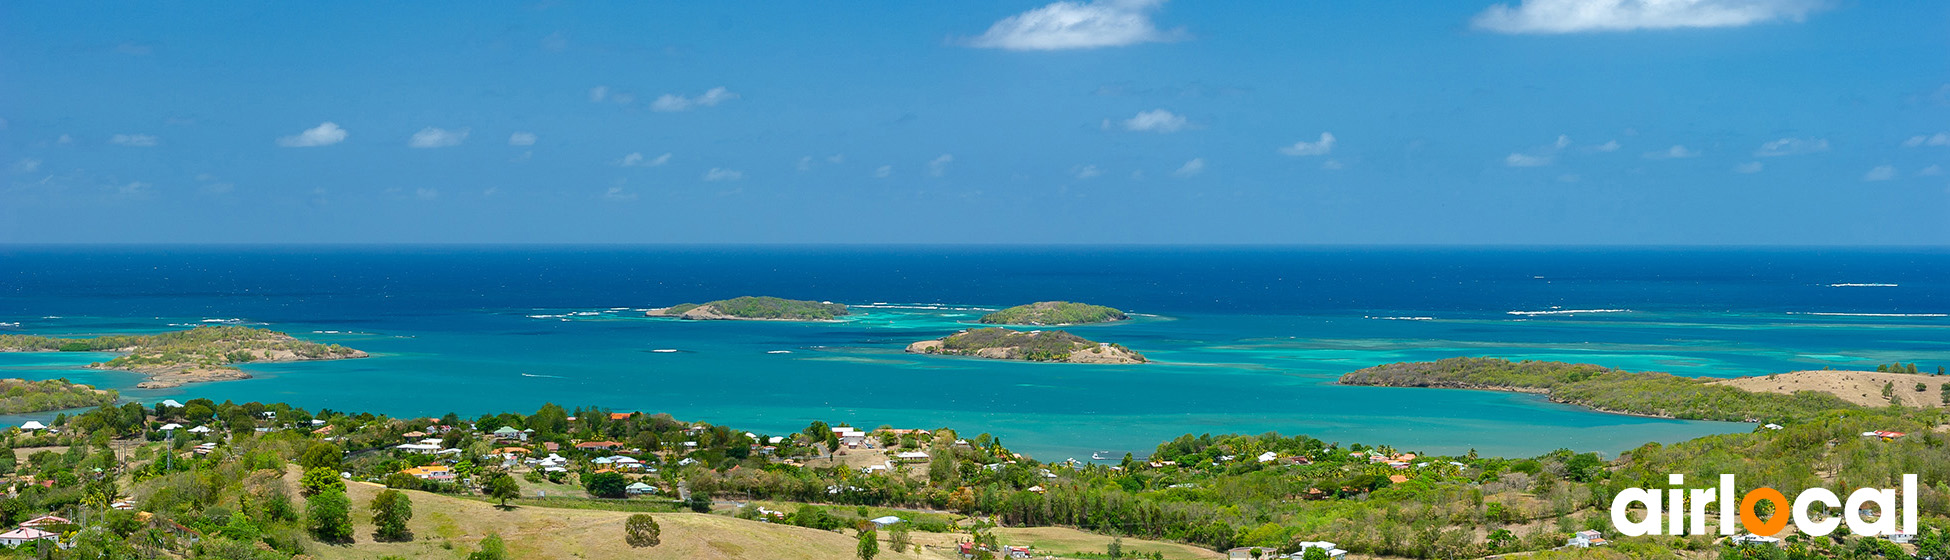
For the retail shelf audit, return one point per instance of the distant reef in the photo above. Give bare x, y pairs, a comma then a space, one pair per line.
1054, 313
754, 308
201, 354
1035, 346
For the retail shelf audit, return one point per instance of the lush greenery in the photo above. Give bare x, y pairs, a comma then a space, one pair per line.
209, 346
18, 396
767, 307
1039, 346
641, 530
1654, 394
1054, 313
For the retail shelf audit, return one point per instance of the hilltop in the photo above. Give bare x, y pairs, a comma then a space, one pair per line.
1054, 313
754, 308
1035, 346
18, 396
1863, 388
1654, 394
200, 354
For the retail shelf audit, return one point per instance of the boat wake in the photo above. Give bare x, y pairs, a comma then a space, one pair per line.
1824, 314
1867, 285
1555, 311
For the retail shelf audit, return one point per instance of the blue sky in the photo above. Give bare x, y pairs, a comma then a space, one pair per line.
1115, 121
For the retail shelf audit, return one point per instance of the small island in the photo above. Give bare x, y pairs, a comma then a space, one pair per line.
1036, 346
1054, 313
1659, 395
173, 359
750, 308
21, 396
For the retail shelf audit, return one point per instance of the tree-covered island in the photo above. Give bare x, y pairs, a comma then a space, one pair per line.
200, 354
755, 308
21, 396
1054, 313
1035, 346
1610, 390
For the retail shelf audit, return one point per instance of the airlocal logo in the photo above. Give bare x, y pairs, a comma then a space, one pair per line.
1676, 517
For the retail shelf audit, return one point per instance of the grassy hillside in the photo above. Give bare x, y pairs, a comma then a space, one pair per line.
1648, 393
761, 307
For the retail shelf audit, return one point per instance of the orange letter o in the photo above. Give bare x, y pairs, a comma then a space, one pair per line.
1751, 520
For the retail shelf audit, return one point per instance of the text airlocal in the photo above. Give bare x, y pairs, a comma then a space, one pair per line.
1660, 521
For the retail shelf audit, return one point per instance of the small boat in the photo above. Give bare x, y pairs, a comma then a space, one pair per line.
778, 352
665, 350
1099, 456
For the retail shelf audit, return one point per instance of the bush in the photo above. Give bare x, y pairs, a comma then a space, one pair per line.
641, 531
329, 517
606, 485
391, 509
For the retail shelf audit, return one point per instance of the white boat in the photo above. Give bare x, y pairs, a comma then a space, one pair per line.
779, 352
665, 350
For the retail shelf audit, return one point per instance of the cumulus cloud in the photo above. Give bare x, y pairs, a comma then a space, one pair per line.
1931, 171
325, 134
137, 140
1938, 139
522, 139
431, 137
1610, 146
672, 102
27, 165
1526, 160
883, 172
1749, 167
598, 94
716, 175
1791, 146
1675, 152
1574, 16
1193, 167
1086, 171
636, 159
1880, 173
1317, 148
939, 166
619, 193
1077, 25
1156, 120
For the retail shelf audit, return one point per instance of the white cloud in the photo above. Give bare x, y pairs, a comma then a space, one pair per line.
1193, 167
27, 165
1573, 16
1331, 165
1749, 167
1675, 152
636, 159
1880, 173
1938, 139
805, 163
137, 140
673, 102
598, 94
1156, 120
1086, 171
1305, 148
426, 194
836, 159
1610, 146
716, 174
939, 166
883, 172
325, 134
1526, 160
619, 193
1791, 146
137, 188
1931, 171
431, 137
1076, 25
1563, 141
522, 139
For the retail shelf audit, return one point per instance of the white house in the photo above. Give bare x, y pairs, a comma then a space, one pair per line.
200, 430
884, 522
24, 535
911, 457
1586, 539
1751, 538
1268, 457
1328, 547
171, 426
171, 403
421, 448
32, 425
638, 489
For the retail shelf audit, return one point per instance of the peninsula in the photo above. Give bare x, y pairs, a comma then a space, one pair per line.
1035, 346
1054, 313
21, 396
201, 354
1652, 394
750, 308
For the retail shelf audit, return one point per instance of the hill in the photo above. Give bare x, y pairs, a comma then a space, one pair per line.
1035, 346
18, 396
754, 308
1610, 390
1054, 313
200, 354
1863, 388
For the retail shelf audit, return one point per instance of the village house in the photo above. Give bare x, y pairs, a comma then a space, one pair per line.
911, 457
1751, 538
509, 433
1333, 552
24, 535
1586, 539
437, 473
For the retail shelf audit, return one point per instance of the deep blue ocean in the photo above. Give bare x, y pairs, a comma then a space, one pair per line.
1244, 340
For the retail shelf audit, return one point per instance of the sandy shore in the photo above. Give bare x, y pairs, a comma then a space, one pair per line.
1859, 387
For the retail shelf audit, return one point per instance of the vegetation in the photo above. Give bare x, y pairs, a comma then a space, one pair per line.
391, 509
1047, 313
20, 396
328, 516
641, 530
1652, 394
1036, 346
206, 346
869, 545
765, 307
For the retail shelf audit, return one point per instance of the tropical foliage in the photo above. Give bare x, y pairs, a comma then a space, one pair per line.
1649, 393
1044, 313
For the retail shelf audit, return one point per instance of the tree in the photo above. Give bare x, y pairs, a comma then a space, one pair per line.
321, 455
316, 481
391, 509
501, 487
1116, 548
869, 546
1314, 553
491, 549
329, 517
898, 538
606, 485
641, 531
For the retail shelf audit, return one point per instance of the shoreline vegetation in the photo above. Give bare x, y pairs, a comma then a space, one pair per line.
1054, 314
1651, 394
754, 308
998, 343
21, 396
197, 355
